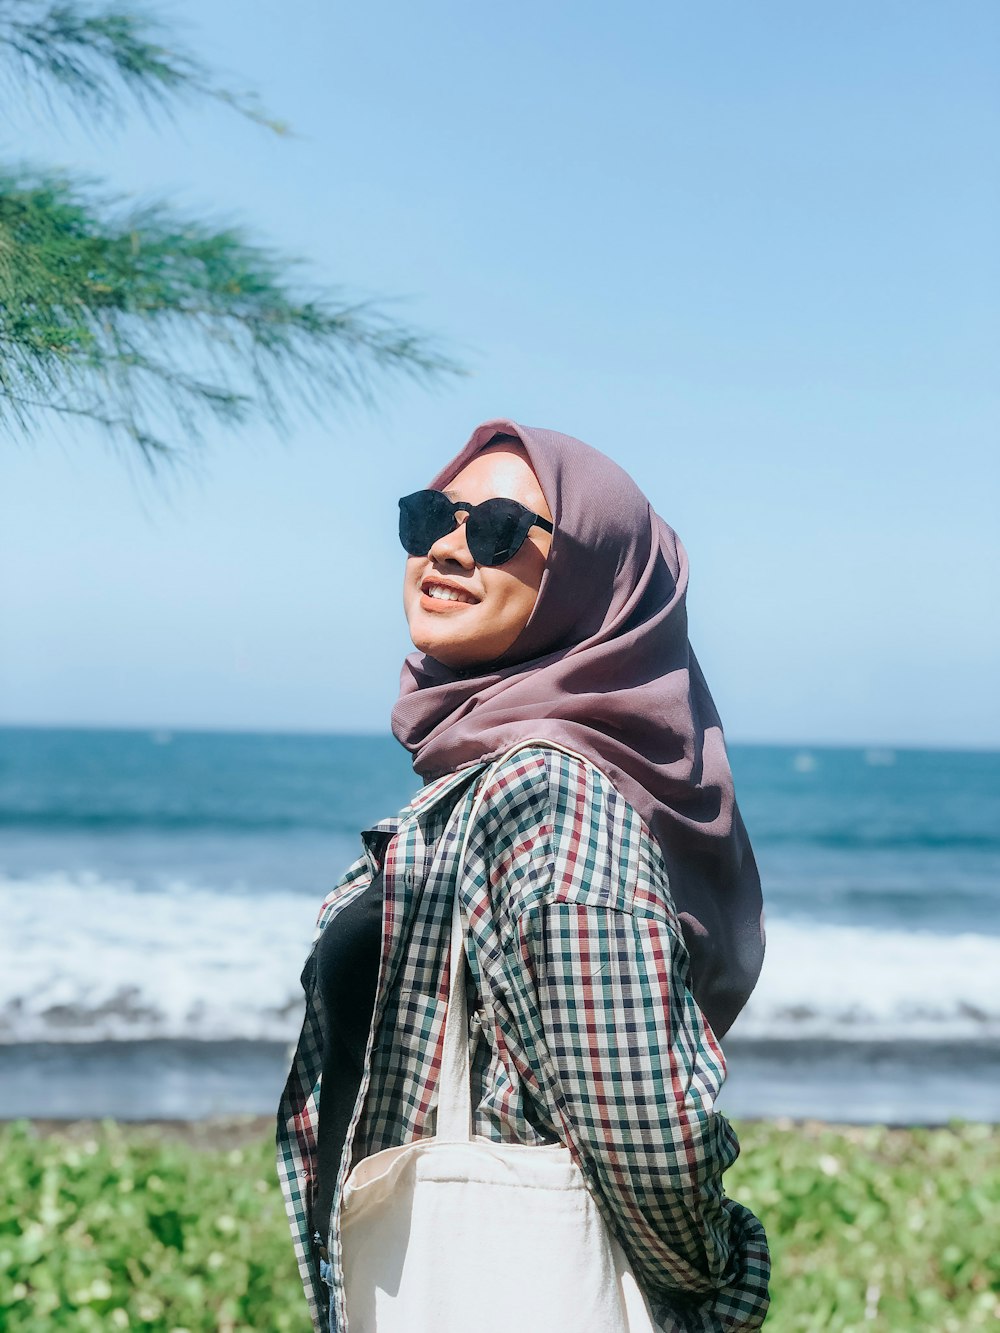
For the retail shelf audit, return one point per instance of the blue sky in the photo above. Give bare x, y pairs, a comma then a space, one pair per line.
748, 250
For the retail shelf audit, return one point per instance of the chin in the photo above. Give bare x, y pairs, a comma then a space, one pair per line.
456, 652
448, 654
432, 637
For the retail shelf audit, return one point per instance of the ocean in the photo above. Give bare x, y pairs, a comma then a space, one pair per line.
158, 892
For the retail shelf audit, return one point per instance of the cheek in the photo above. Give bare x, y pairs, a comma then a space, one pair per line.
523, 577
411, 583
513, 602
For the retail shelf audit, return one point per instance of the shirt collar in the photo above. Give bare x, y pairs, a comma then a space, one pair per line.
427, 797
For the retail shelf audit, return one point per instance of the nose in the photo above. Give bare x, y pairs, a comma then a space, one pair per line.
453, 547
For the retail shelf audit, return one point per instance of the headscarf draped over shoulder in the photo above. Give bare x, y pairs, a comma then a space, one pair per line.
604, 666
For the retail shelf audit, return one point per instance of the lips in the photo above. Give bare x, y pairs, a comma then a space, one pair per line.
441, 592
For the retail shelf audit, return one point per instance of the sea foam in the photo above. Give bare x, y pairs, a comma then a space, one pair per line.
93, 959
852, 983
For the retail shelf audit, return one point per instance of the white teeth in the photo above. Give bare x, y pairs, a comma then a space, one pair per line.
444, 594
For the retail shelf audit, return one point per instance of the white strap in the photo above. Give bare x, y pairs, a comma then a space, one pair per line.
454, 1116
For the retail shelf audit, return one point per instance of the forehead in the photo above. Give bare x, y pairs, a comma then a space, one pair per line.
499, 470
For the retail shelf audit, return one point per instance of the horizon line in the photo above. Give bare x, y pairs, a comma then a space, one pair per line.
221, 729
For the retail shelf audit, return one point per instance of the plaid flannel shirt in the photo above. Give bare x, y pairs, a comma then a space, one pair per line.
582, 1029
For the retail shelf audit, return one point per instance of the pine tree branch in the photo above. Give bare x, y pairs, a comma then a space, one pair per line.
97, 57
152, 324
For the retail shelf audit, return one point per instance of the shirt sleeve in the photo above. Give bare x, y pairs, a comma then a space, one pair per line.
620, 1059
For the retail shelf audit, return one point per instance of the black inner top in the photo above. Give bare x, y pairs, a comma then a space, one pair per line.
347, 962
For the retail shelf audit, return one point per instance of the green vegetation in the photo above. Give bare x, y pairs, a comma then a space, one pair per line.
106, 1227
136, 318
874, 1228
115, 1228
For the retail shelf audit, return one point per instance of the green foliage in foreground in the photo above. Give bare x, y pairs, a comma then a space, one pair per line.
112, 1228
119, 1230
876, 1229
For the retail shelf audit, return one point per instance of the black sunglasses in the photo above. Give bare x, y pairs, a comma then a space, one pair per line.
494, 530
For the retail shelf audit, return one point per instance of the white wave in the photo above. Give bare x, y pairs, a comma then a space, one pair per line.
92, 960
854, 983
88, 959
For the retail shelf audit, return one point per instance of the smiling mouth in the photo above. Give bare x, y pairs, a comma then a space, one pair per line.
440, 592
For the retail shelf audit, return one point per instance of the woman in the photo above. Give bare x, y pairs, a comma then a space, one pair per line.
611, 900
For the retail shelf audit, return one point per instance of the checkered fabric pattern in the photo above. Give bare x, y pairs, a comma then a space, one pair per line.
582, 1028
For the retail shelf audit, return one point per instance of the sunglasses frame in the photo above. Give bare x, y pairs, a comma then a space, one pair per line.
526, 520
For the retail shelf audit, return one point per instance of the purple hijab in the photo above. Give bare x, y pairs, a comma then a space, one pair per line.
604, 666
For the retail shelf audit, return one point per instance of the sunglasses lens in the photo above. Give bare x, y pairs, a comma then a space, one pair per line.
495, 530
424, 517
